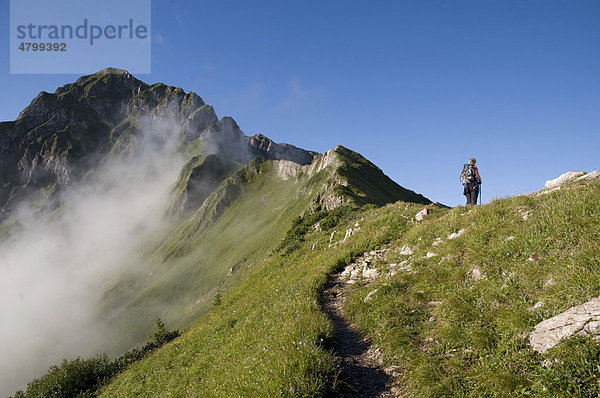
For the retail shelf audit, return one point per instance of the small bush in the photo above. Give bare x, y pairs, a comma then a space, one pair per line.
82, 377
72, 378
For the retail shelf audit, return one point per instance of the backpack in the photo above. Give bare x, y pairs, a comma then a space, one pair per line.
467, 175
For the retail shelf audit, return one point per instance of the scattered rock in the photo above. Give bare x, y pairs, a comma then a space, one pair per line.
580, 320
509, 239
368, 297
546, 191
436, 242
430, 254
402, 266
420, 215
314, 246
406, 251
569, 175
537, 305
524, 213
362, 265
350, 232
477, 275
370, 273
549, 282
455, 235
331, 237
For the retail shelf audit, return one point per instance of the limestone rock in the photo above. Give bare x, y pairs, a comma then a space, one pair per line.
580, 320
420, 215
455, 235
368, 297
569, 175
477, 275
594, 175
369, 273
406, 251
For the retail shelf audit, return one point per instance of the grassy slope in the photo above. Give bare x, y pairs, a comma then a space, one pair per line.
451, 335
179, 287
456, 335
238, 225
366, 183
268, 335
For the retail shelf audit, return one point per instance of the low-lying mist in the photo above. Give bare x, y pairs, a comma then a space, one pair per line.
53, 268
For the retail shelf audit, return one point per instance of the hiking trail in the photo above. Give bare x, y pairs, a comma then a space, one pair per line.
360, 365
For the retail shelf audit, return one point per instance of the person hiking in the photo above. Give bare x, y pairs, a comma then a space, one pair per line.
471, 181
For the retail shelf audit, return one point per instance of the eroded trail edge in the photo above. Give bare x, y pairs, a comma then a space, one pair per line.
360, 365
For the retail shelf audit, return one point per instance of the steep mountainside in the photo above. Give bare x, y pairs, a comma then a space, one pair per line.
140, 203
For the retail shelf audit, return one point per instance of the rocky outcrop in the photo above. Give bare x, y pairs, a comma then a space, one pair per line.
569, 175
594, 175
581, 320
262, 146
566, 180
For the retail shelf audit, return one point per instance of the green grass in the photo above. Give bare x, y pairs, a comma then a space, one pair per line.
456, 335
451, 333
267, 335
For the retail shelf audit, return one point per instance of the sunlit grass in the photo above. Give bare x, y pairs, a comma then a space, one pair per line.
458, 323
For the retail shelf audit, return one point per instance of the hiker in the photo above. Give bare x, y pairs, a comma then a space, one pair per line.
471, 181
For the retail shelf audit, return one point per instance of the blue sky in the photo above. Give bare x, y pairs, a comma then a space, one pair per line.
417, 87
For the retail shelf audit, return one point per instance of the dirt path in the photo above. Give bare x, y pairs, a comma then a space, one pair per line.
361, 372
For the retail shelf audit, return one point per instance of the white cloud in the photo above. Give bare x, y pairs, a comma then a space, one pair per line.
53, 269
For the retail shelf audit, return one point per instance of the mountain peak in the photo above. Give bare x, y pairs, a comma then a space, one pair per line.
111, 70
